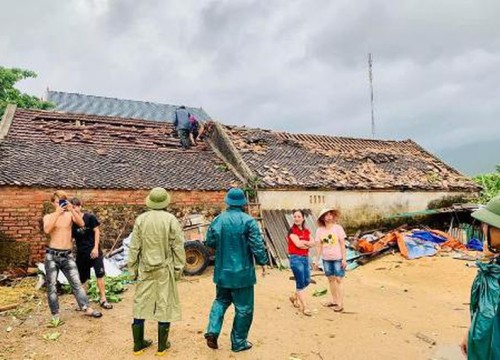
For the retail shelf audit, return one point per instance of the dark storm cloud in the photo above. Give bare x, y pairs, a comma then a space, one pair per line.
292, 65
420, 31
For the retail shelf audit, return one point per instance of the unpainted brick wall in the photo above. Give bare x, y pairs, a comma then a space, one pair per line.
22, 208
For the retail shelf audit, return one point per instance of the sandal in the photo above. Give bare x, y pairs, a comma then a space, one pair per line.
307, 312
294, 301
338, 308
105, 305
95, 314
330, 304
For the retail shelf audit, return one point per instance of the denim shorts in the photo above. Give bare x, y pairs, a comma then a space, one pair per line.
301, 271
333, 268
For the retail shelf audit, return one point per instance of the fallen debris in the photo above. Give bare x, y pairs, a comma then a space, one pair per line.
320, 292
426, 338
412, 244
52, 336
20, 291
8, 307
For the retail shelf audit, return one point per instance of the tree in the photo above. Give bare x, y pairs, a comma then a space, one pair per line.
490, 184
10, 95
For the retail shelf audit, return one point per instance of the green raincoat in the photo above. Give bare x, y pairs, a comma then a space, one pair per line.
156, 260
484, 332
237, 240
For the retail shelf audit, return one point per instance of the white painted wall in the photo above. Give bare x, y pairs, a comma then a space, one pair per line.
355, 206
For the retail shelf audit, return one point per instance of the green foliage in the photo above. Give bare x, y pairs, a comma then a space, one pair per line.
52, 336
320, 292
115, 286
251, 188
490, 184
10, 95
222, 167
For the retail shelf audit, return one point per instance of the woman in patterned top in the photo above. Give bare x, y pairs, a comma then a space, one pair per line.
330, 242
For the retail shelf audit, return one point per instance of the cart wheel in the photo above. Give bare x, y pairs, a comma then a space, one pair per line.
197, 258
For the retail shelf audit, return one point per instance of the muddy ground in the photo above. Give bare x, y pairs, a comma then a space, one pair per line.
388, 302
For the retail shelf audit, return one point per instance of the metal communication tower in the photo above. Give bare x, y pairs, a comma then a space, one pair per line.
370, 74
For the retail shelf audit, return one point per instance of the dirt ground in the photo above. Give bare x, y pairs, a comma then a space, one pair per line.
388, 302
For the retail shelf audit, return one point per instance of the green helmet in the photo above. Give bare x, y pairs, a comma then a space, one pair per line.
489, 214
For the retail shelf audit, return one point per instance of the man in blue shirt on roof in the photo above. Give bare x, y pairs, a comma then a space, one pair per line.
183, 126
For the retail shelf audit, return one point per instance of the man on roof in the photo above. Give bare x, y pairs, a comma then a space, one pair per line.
196, 130
183, 126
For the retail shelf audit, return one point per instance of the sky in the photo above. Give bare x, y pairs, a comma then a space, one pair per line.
292, 65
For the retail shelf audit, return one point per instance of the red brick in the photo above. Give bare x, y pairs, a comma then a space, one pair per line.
22, 222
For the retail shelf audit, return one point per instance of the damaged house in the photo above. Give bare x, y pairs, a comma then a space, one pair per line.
109, 162
366, 179
111, 151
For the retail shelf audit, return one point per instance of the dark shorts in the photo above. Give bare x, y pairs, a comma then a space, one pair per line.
333, 268
84, 263
301, 271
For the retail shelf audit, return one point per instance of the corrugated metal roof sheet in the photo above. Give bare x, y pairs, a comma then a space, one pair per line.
277, 223
106, 106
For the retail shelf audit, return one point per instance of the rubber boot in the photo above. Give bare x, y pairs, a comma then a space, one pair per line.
163, 343
211, 341
139, 343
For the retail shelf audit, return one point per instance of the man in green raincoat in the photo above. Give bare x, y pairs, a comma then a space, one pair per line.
156, 260
237, 241
482, 341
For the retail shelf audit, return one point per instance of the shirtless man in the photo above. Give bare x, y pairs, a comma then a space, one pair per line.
59, 256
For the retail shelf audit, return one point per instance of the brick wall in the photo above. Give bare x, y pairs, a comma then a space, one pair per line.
22, 208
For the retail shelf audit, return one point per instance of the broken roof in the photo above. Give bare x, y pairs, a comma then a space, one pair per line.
54, 149
106, 106
286, 160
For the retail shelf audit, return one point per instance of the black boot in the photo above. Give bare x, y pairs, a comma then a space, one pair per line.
211, 341
139, 343
163, 343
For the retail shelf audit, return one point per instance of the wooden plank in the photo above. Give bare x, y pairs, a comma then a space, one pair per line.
8, 307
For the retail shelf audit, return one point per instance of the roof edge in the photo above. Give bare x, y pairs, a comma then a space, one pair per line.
7, 118
435, 157
120, 99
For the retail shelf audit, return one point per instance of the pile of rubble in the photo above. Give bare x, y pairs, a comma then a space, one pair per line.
415, 243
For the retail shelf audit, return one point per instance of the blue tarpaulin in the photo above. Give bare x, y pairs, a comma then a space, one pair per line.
428, 236
418, 248
475, 244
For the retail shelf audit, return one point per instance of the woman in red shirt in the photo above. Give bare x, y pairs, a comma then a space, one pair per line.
299, 241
